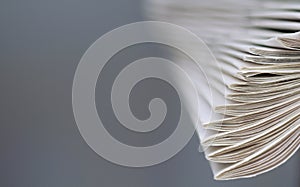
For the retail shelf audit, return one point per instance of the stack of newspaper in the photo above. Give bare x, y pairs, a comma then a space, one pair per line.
257, 45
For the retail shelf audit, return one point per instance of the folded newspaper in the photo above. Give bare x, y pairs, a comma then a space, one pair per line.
257, 45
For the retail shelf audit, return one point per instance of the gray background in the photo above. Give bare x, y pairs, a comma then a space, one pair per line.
41, 43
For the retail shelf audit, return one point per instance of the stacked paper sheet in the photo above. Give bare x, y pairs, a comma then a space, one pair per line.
258, 48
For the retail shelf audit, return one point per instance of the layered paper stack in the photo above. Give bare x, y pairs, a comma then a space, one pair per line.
257, 45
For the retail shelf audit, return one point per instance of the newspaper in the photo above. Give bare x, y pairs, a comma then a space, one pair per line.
257, 45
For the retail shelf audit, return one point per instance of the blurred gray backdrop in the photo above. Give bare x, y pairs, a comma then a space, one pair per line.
41, 43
